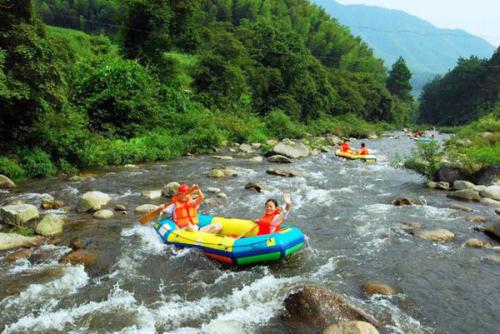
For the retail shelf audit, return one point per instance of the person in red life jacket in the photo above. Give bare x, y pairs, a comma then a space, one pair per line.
344, 147
432, 136
363, 150
273, 216
184, 210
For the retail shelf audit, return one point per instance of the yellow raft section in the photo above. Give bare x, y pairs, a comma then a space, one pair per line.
368, 158
231, 228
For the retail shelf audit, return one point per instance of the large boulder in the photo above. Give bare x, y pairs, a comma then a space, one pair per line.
18, 214
492, 192
488, 175
439, 234
92, 201
378, 288
5, 182
465, 194
320, 307
279, 159
292, 150
171, 189
51, 225
13, 241
461, 185
351, 327
450, 173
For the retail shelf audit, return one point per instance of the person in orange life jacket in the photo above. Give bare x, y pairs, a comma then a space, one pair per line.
363, 150
273, 216
184, 210
344, 147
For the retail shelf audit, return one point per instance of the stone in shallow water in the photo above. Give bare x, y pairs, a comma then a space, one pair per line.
475, 219
379, 288
460, 207
439, 234
351, 327
18, 214
103, 214
145, 208
474, 243
92, 201
465, 194
51, 225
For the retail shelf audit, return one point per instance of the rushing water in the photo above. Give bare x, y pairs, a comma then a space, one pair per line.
353, 234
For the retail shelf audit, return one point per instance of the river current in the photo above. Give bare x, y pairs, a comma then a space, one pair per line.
353, 234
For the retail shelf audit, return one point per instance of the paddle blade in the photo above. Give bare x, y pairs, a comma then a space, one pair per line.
150, 216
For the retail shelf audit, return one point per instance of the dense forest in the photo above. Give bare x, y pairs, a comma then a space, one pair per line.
156, 79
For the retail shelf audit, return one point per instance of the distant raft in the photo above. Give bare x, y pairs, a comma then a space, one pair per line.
226, 247
424, 139
366, 158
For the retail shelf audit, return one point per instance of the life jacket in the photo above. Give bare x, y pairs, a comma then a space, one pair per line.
185, 213
345, 148
363, 151
265, 222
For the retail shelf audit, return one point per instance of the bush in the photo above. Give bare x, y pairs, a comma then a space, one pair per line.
11, 169
426, 159
279, 125
37, 162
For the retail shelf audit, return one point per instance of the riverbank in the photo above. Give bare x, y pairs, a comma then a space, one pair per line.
355, 234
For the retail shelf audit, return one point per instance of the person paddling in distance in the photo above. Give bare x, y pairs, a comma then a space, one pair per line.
273, 216
344, 147
184, 210
363, 150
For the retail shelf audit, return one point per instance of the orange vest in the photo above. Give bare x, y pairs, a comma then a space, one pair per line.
344, 148
364, 151
185, 213
265, 222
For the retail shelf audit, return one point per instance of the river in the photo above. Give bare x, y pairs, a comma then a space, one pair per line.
353, 234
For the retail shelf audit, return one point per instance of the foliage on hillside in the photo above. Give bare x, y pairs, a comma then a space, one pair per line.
464, 94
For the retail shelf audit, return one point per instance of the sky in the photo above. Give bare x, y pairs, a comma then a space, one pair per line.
478, 17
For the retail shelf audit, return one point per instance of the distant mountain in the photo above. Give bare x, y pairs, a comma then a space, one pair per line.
392, 33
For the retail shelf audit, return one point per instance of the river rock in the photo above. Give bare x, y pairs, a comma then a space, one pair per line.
282, 172
493, 257
229, 172
351, 327
152, 194
22, 254
76, 243
5, 182
255, 186
475, 219
14, 240
465, 194
488, 175
372, 135
493, 230
474, 243
492, 192
222, 157
411, 225
460, 207
18, 214
53, 204
443, 185
145, 208
279, 159
378, 288
406, 201
213, 190
256, 159
171, 189
214, 201
334, 140
431, 185
439, 234
80, 256
271, 142
120, 207
320, 307
216, 173
291, 150
92, 201
450, 173
461, 185
246, 148
497, 211
51, 225
103, 214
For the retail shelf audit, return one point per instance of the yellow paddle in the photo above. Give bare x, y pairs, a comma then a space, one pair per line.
244, 234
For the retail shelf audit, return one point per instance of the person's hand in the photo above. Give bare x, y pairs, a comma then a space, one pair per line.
286, 198
195, 187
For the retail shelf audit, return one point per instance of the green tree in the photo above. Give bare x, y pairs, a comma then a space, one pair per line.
398, 82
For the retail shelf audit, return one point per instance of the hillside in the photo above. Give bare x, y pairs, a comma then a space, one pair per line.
427, 49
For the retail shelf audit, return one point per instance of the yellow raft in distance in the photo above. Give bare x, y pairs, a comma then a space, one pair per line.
366, 158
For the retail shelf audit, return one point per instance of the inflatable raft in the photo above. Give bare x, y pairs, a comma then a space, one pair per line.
366, 158
224, 247
424, 139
